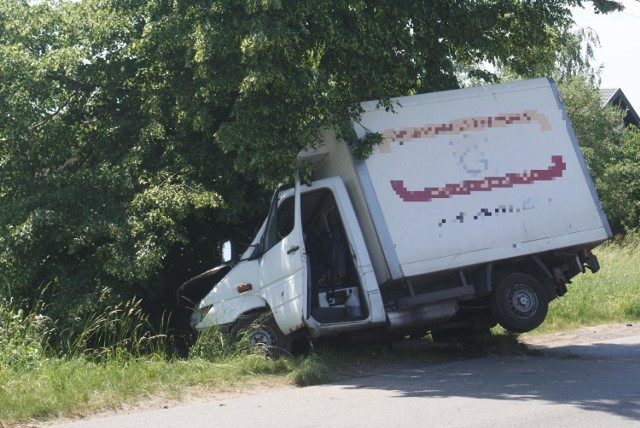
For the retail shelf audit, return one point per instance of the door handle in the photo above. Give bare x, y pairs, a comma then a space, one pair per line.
293, 249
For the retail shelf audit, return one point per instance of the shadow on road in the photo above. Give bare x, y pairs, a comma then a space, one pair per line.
601, 377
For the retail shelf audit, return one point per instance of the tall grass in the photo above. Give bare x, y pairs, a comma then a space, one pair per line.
112, 357
22, 337
119, 330
610, 295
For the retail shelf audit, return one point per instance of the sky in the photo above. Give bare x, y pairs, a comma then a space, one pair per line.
619, 49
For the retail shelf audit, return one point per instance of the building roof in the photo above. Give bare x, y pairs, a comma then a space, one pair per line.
615, 96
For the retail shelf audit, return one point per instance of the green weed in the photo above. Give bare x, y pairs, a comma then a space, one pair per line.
610, 295
311, 370
22, 337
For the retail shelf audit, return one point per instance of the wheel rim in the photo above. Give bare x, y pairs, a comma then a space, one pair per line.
522, 301
263, 337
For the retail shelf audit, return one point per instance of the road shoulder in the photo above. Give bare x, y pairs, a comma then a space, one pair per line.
581, 335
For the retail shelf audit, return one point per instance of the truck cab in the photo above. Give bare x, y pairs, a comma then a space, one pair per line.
307, 268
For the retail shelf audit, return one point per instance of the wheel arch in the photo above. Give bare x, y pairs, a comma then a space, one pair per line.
252, 304
262, 333
227, 313
493, 273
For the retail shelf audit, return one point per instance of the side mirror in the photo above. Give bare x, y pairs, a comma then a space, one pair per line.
228, 251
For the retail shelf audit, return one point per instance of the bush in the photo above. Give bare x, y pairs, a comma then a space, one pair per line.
22, 337
619, 185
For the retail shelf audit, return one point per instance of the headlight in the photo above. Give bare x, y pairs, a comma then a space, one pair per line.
198, 315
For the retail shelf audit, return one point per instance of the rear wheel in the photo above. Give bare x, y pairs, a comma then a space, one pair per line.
262, 334
519, 303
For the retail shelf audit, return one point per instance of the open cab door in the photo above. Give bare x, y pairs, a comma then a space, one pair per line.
342, 293
314, 268
283, 265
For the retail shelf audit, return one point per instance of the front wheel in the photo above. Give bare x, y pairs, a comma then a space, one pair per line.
519, 303
262, 334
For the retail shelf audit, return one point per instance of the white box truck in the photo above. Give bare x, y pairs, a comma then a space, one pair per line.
477, 208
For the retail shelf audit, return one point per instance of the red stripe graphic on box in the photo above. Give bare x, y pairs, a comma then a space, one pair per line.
487, 184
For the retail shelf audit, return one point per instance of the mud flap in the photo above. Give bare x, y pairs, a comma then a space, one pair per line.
589, 260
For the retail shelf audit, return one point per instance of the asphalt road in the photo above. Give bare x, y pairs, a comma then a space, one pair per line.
586, 385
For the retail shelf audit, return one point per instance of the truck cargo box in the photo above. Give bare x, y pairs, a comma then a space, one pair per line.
467, 177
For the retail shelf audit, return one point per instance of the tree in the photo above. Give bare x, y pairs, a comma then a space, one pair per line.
135, 132
598, 128
621, 184
97, 183
612, 153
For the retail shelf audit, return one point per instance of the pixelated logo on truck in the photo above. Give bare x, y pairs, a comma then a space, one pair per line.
485, 184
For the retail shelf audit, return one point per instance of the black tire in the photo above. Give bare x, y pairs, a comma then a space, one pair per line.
519, 303
261, 334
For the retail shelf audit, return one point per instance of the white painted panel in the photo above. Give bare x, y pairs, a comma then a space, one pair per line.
480, 174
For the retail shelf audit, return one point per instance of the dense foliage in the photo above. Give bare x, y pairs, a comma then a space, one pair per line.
134, 134
620, 184
611, 151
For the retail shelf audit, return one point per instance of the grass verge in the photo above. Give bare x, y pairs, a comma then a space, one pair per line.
610, 295
77, 386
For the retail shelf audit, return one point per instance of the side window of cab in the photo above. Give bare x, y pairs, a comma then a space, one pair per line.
280, 225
